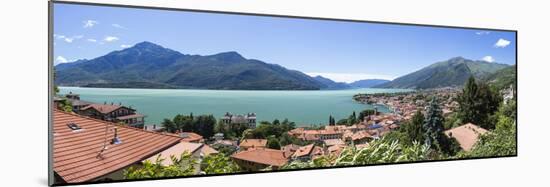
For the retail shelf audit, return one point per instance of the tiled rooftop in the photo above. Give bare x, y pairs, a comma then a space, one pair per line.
75, 152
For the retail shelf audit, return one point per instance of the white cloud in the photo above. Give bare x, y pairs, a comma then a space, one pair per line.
66, 38
488, 59
90, 23
125, 46
118, 26
502, 43
110, 38
483, 32
349, 77
60, 59
91, 40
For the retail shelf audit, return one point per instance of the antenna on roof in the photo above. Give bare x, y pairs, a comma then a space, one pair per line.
115, 141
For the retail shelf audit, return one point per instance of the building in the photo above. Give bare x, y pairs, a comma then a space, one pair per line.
252, 143
197, 150
190, 137
466, 135
307, 152
113, 113
260, 158
248, 119
361, 137
87, 149
290, 149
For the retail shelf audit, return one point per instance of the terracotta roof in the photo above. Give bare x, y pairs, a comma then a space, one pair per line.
136, 115
75, 152
179, 148
360, 135
207, 150
190, 136
331, 142
336, 149
104, 109
466, 135
265, 156
304, 150
176, 151
290, 149
253, 143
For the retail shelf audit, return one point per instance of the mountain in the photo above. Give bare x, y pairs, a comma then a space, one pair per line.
502, 78
148, 65
328, 84
367, 83
453, 72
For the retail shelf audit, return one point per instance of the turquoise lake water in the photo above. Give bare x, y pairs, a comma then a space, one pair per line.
303, 107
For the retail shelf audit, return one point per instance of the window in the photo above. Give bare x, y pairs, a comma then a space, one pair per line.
74, 127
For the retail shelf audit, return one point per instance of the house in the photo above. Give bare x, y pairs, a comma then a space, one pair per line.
248, 119
330, 134
190, 137
260, 158
307, 152
335, 150
252, 143
197, 151
361, 137
290, 149
332, 142
87, 149
466, 135
113, 113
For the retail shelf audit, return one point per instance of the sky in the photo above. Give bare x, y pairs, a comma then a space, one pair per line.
341, 51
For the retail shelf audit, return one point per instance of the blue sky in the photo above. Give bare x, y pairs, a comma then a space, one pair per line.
342, 51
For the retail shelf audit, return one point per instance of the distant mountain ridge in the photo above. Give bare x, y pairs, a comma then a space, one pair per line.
329, 84
452, 72
368, 83
148, 65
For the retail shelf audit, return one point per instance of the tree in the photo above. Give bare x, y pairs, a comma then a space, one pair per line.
352, 119
205, 125
182, 166
379, 151
413, 129
365, 113
498, 142
273, 143
331, 121
220, 128
276, 122
65, 105
477, 103
433, 131
433, 125
169, 126
218, 163
342, 122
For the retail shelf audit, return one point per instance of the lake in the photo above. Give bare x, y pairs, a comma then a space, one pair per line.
303, 107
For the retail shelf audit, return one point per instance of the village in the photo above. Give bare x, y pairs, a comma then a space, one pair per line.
98, 142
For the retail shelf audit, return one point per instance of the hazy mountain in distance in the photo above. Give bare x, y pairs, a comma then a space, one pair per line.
148, 65
452, 72
367, 83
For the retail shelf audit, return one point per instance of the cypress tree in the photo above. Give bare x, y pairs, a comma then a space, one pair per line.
433, 125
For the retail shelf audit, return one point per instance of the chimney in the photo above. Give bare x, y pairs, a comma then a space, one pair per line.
116, 140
